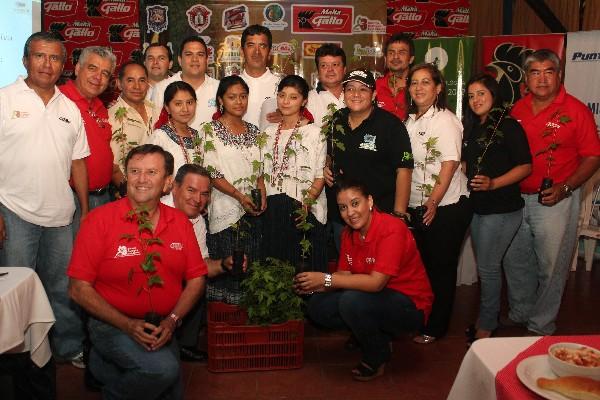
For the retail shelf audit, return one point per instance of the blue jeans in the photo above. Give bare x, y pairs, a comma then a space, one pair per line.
492, 234
538, 260
374, 318
128, 371
93, 201
47, 251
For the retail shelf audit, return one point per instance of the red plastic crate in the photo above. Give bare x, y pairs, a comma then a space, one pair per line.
234, 346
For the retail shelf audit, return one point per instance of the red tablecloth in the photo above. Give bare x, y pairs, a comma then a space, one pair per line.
508, 385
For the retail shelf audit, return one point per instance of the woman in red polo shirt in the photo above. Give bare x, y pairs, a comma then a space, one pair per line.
380, 288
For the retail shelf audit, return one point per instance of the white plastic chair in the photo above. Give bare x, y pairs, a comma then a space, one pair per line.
589, 222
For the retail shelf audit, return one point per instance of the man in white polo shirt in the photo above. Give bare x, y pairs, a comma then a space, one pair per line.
331, 66
256, 46
193, 59
42, 145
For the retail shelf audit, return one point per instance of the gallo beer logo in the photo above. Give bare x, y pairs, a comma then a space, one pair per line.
81, 32
121, 33
457, 19
61, 8
331, 20
406, 16
117, 9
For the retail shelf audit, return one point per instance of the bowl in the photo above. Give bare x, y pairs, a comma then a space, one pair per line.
558, 353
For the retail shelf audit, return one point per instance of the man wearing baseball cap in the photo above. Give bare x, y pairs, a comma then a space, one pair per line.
373, 146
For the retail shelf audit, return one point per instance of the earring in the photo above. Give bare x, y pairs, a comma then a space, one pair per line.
371, 208
221, 108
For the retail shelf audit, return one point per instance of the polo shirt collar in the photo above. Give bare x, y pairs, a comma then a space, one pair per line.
373, 228
559, 99
71, 91
429, 114
22, 85
346, 113
120, 102
266, 75
165, 218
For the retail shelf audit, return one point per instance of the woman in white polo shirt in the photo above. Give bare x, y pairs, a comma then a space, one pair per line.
439, 185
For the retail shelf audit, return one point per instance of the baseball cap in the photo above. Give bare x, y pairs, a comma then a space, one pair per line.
360, 75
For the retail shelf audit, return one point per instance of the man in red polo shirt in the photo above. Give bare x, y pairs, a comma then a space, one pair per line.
109, 278
565, 148
399, 53
93, 72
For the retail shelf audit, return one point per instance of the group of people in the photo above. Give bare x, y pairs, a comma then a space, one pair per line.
260, 163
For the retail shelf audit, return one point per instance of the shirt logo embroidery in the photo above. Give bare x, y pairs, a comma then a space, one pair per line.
20, 114
176, 246
368, 143
212, 102
349, 259
63, 119
370, 260
124, 251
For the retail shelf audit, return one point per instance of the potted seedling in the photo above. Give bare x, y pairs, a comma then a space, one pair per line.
330, 127
431, 155
237, 252
146, 238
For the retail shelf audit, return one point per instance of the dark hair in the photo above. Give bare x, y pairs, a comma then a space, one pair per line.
190, 39
400, 38
228, 82
169, 52
174, 87
127, 64
330, 49
190, 169
345, 183
257, 30
295, 81
152, 149
470, 119
50, 37
441, 102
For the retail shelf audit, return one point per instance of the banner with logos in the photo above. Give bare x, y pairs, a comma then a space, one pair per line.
581, 69
298, 29
428, 18
82, 23
503, 57
453, 57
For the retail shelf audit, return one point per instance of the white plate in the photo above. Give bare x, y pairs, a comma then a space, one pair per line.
532, 368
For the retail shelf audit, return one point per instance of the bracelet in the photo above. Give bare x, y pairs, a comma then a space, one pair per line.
434, 202
328, 281
176, 319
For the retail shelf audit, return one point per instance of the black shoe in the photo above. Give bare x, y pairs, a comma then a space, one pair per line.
91, 383
192, 354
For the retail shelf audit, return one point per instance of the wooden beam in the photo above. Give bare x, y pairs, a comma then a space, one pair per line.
546, 15
507, 16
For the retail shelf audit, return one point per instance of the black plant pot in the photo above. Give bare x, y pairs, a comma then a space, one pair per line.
416, 218
238, 262
546, 184
256, 198
303, 265
152, 318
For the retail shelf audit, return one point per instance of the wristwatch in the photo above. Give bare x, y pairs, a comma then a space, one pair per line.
175, 319
567, 190
327, 283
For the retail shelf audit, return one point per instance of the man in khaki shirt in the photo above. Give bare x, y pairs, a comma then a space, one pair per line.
130, 116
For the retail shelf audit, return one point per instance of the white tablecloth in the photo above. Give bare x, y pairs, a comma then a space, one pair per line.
476, 378
25, 314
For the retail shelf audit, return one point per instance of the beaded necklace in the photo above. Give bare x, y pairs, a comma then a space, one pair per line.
180, 140
285, 159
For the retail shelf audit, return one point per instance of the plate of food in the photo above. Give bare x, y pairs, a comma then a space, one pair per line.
569, 371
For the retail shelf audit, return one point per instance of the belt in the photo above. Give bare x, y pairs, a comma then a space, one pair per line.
98, 192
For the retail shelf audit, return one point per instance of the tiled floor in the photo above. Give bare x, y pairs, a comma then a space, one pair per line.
416, 371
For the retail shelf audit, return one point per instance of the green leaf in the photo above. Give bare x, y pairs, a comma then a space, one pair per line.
155, 280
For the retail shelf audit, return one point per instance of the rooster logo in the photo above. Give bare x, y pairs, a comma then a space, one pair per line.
115, 33
506, 67
57, 28
92, 8
304, 19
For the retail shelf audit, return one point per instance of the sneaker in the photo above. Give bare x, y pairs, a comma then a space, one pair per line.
77, 361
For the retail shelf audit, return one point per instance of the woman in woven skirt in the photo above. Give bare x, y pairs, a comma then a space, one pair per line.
231, 152
295, 189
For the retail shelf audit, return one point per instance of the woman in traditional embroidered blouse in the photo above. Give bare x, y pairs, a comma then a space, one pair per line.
231, 154
439, 185
176, 136
295, 165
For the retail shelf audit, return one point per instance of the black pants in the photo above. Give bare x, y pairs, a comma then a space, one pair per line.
440, 246
29, 382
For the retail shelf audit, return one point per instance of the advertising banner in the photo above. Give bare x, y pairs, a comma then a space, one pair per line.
581, 69
428, 18
298, 29
453, 57
503, 57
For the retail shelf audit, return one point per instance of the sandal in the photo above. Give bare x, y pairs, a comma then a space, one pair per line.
364, 372
424, 339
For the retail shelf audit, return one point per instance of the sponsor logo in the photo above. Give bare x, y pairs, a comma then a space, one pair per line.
157, 18
349, 259
367, 51
61, 8
121, 33
176, 246
363, 24
198, 17
428, 33
19, 114
458, 19
594, 108
124, 251
65, 120
81, 32
368, 143
211, 54
114, 9
229, 50
332, 20
370, 260
235, 18
406, 16
274, 14
309, 48
283, 48
581, 56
